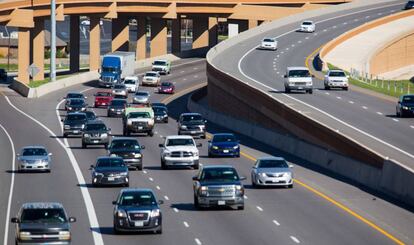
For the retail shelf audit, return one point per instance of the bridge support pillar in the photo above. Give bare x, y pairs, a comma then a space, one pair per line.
37, 36
23, 54
253, 24
176, 35
74, 44
204, 32
212, 31
94, 43
141, 50
120, 33
158, 37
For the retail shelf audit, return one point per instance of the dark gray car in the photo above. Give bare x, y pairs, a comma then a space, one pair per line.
74, 123
116, 108
192, 124
42, 223
95, 133
110, 171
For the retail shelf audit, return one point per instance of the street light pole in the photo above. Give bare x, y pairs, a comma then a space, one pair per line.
52, 73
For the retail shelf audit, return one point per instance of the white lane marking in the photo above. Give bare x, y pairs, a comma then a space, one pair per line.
315, 34
151, 179
350, 102
195, 76
379, 113
93, 220
395, 120
287, 48
259, 208
392, 11
277, 72
379, 14
339, 98
324, 30
182, 72
412, 126
186, 224
300, 41
158, 187
277, 56
345, 23
144, 171
294, 239
276, 223
195, 68
326, 93
364, 107
184, 79
334, 27
281, 52
6, 225
198, 241
306, 38
175, 210
367, 17
356, 20
293, 45
245, 197
166, 198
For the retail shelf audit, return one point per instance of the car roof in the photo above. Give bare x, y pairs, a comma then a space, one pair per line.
271, 158
96, 121
104, 91
161, 60
74, 92
76, 113
179, 137
307, 21
297, 68
136, 190
218, 166
41, 205
123, 138
336, 70
131, 77
107, 157
34, 147
151, 72
190, 114
223, 134
119, 100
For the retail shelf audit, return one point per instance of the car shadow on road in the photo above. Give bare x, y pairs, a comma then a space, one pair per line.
392, 116
168, 169
191, 207
110, 231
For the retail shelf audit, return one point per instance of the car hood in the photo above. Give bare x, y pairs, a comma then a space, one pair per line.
124, 150
273, 170
407, 104
77, 122
116, 106
43, 226
138, 208
224, 144
111, 170
108, 74
342, 79
182, 148
160, 113
33, 158
95, 131
103, 98
300, 79
76, 106
211, 183
194, 123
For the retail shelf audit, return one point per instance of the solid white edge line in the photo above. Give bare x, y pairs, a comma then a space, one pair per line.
93, 220
294, 239
6, 225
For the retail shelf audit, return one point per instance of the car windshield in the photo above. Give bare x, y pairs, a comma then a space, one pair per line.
174, 142
76, 117
141, 198
408, 99
127, 81
160, 63
47, 215
224, 138
219, 174
118, 102
107, 94
268, 40
141, 94
34, 152
139, 115
150, 74
95, 126
166, 84
74, 96
159, 109
110, 162
337, 74
299, 73
306, 23
119, 86
125, 144
90, 115
273, 164
109, 69
76, 102
188, 118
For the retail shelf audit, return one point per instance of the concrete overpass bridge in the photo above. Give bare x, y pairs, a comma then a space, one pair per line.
29, 15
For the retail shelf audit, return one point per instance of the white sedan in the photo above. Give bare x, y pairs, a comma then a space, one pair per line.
307, 26
269, 43
336, 79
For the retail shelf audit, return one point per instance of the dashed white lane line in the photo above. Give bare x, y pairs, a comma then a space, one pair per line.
334, 27
182, 72
158, 187
259, 208
277, 72
186, 224
351, 102
379, 14
145, 171
315, 34
195, 68
282, 52
245, 197
293, 45
299, 41
364, 107
356, 20
197, 241
276, 223
195, 76
345, 23
287, 48
367, 17
326, 93
294, 239
166, 198
395, 120
324, 30
175, 210
184, 79
412, 126
306, 38
339, 97
379, 113
151, 179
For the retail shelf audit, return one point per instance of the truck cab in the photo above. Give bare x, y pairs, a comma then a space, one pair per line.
115, 67
138, 120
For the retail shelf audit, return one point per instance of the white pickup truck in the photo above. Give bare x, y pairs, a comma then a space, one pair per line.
179, 151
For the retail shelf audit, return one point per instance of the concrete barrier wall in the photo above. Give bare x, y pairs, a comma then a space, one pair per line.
391, 179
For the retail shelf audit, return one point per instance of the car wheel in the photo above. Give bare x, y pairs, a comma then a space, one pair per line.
287, 90
203, 136
346, 89
139, 167
166, 120
290, 186
310, 91
240, 207
106, 146
196, 166
163, 166
327, 88
151, 133
83, 145
398, 113
126, 185
107, 115
65, 135
210, 155
116, 231
196, 204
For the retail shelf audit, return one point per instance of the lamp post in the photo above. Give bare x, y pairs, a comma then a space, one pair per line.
52, 74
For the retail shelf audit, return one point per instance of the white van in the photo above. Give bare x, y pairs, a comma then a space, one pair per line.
298, 78
131, 83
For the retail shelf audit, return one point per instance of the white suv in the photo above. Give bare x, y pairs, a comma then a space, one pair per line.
298, 78
179, 151
131, 83
307, 26
336, 79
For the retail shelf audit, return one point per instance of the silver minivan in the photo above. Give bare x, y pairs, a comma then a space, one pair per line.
298, 78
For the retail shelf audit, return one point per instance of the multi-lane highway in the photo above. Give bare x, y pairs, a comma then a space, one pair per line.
283, 216
367, 119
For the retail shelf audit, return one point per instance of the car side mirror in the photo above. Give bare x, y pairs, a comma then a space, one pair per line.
114, 202
15, 220
209, 141
160, 202
199, 145
160, 145
242, 178
92, 167
285, 76
72, 219
326, 76
61, 120
195, 178
313, 75
143, 147
18, 154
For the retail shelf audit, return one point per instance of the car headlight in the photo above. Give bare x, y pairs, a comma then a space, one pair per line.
83, 126
262, 174
112, 109
96, 174
24, 235
195, 153
183, 127
405, 107
287, 174
202, 126
104, 135
155, 213
236, 147
239, 190
64, 235
86, 135
69, 108
151, 122
137, 155
67, 126
215, 147
167, 153
123, 174
113, 155
121, 214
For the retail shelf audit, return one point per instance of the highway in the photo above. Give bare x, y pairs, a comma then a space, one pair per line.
302, 215
367, 119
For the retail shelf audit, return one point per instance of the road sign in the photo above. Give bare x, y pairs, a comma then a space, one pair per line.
33, 70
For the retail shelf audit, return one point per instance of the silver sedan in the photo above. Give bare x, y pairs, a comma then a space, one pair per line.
272, 171
34, 158
120, 90
141, 97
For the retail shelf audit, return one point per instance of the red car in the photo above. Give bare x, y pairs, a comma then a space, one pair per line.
103, 98
166, 88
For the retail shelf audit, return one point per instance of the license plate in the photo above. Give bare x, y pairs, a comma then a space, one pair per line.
140, 127
76, 131
275, 181
96, 141
103, 103
300, 88
193, 132
226, 151
139, 223
118, 112
221, 203
111, 178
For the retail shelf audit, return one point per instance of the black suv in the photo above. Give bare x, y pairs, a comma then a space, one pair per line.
110, 171
76, 105
95, 133
74, 123
192, 124
409, 5
129, 149
90, 115
3, 74
218, 185
160, 113
137, 210
42, 223
405, 105
116, 107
